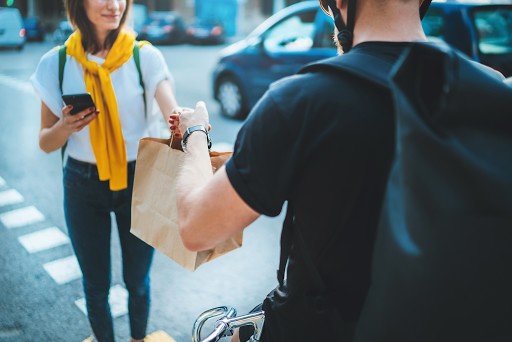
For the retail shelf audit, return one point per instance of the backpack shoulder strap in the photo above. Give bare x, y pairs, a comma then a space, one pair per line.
136, 58
321, 299
62, 63
359, 64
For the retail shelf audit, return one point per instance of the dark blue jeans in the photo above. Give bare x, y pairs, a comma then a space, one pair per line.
88, 203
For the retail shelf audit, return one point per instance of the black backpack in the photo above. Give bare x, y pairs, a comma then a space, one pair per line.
442, 266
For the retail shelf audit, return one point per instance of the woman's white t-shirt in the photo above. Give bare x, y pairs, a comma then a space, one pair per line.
127, 88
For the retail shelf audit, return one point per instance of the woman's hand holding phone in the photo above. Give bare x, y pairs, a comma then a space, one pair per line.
78, 112
76, 122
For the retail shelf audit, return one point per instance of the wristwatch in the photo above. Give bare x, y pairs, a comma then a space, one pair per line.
192, 129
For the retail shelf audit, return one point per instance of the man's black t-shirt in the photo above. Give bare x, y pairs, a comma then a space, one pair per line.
325, 142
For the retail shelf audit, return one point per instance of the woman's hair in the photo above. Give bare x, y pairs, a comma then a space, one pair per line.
75, 12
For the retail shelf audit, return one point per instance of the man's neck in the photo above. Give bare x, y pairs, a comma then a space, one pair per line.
397, 22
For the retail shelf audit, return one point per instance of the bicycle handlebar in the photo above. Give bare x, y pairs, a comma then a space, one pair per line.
219, 328
226, 325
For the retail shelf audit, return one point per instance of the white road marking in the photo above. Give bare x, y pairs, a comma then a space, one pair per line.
12, 82
64, 270
21, 217
43, 239
2, 181
10, 197
118, 300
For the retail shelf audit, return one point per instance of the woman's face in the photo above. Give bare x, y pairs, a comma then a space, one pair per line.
105, 15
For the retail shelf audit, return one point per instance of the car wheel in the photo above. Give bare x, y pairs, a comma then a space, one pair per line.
230, 96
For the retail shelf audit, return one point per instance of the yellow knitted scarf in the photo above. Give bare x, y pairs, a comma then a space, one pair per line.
105, 132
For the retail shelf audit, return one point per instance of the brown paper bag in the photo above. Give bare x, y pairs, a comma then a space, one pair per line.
154, 213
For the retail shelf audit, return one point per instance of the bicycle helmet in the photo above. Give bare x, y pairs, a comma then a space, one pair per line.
346, 31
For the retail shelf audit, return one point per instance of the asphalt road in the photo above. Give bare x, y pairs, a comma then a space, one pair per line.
38, 303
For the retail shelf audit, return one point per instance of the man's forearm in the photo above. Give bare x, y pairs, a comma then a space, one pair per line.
192, 178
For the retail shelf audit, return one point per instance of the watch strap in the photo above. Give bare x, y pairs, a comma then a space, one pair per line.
192, 129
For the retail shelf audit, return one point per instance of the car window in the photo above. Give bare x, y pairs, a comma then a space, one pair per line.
295, 33
434, 24
494, 29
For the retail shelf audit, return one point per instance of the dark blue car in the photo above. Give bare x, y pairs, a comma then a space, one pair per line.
206, 31
279, 47
34, 30
164, 27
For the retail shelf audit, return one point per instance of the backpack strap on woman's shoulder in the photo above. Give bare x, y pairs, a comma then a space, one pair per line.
62, 62
136, 58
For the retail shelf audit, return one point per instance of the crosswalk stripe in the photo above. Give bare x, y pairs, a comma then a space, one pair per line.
2, 181
10, 197
21, 217
43, 239
63, 270
118, 300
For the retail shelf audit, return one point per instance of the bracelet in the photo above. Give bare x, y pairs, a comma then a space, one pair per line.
192, 129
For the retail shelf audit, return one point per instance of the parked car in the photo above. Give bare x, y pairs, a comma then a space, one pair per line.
34, 29
12, 32
280, 46
164, 27
205, 31
481, 29
62, 32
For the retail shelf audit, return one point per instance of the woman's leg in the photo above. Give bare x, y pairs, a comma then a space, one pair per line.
137, 258
86, 206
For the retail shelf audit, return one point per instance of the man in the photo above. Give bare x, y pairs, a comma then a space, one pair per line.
323, 143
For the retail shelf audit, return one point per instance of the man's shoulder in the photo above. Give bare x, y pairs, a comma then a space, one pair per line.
488, 70
308, 84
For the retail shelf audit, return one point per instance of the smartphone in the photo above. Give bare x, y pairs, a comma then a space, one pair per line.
78, 101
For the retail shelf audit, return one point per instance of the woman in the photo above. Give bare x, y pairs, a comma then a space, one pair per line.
102, 147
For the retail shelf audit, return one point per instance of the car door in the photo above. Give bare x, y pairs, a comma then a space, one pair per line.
296, 40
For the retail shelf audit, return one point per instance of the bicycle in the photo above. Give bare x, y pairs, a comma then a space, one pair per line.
226, 325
